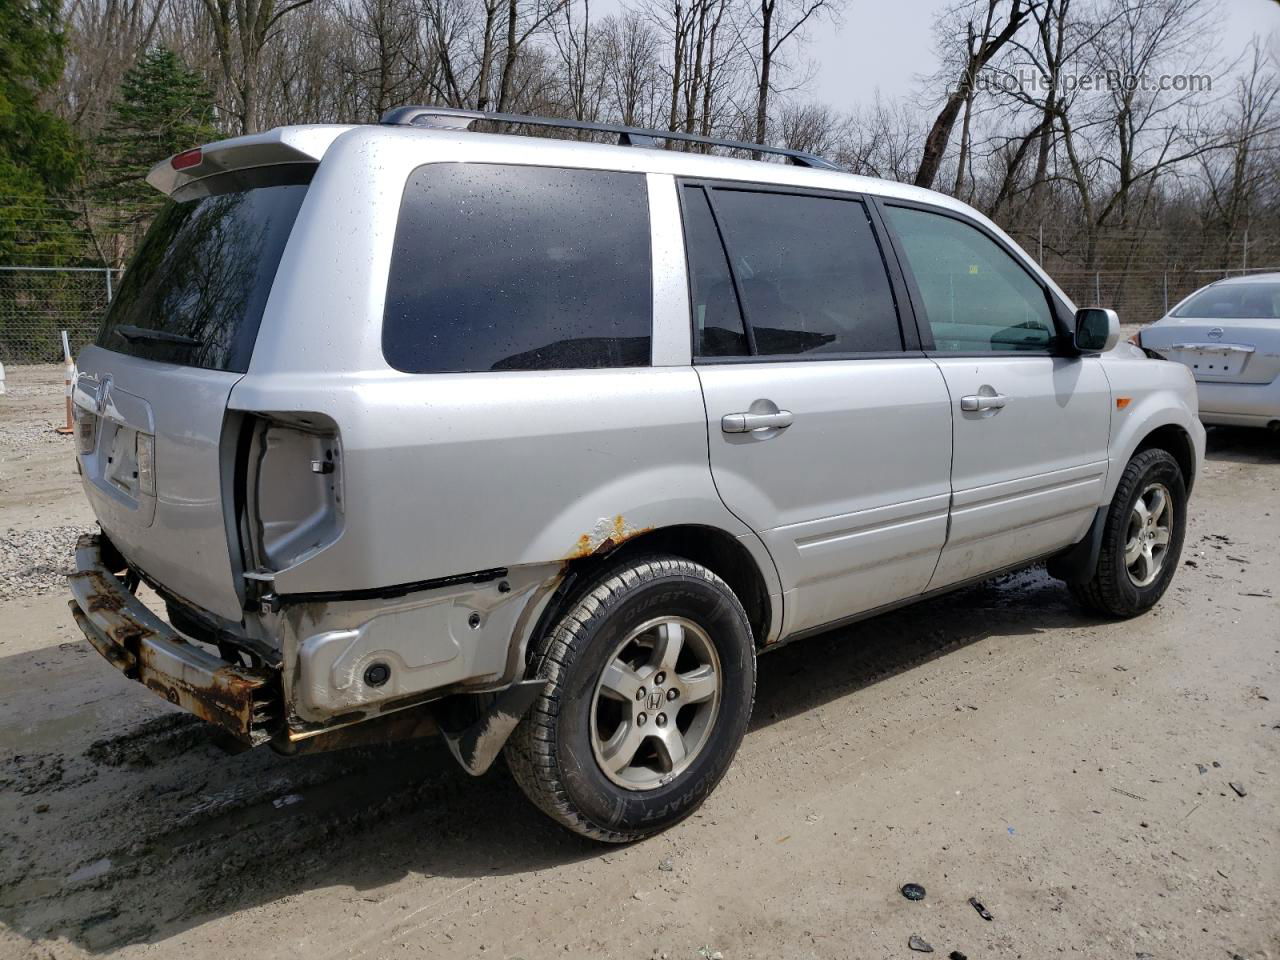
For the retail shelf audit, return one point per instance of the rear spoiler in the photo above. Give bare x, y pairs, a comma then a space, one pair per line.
280, 146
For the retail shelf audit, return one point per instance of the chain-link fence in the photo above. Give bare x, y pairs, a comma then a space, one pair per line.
1140, 296
38, 303
1142, 274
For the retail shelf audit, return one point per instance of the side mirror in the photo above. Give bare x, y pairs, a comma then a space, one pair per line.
1097, 329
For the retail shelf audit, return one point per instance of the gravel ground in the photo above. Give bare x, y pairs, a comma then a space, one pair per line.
1071, 774
35, 562
18, 439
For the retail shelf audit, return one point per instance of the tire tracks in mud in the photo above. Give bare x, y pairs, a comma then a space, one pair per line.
162, 825
167, 828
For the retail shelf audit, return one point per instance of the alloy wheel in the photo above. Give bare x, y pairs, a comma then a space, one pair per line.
655, 703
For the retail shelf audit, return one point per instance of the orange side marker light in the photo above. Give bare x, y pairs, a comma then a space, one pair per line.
1122, 402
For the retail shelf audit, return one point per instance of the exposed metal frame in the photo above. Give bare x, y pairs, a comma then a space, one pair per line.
453, 118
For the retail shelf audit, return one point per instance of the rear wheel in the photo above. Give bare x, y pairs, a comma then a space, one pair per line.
1142, 539
651, 680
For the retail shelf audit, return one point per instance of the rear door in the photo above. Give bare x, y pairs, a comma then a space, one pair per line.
1031, 424
151, 397
829, 433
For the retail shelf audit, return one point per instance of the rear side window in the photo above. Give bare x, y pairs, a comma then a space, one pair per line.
810, 276
194, 292
519, 268
977, 298
1236, 301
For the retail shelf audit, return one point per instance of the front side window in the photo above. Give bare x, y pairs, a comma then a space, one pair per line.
519, 268
810, 276
977, 298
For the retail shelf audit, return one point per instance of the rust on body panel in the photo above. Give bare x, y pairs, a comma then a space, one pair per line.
606, 535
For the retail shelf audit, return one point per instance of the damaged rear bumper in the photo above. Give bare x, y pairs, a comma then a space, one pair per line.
243, 701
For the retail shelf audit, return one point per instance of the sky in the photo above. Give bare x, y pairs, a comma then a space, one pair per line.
888, 45
865, 51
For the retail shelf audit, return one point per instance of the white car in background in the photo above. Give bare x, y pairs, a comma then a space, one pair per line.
1228, 333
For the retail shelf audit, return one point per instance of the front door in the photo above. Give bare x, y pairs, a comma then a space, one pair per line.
826, 435
1031, 424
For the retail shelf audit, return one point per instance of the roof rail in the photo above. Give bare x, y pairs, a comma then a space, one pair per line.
452, 118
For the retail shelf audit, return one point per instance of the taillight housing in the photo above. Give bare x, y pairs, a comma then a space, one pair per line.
1136, 339
293, 477
145, 459
86, 431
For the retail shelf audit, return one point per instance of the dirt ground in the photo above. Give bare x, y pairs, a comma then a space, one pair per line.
1072, 775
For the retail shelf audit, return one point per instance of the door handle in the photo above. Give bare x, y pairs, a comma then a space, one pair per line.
747, 422
982, 401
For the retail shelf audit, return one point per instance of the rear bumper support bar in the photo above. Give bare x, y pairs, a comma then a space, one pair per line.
243, 701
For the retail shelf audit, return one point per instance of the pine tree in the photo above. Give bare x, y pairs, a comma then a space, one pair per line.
163, 107
38, 152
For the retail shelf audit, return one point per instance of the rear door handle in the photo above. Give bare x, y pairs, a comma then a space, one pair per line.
980, 401
747, 422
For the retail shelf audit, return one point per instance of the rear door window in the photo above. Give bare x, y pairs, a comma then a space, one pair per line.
810, 277
194, 292
499, 267
717, 321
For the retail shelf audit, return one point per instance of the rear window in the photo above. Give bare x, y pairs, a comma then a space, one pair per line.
1236, 301
195, 290
501, 267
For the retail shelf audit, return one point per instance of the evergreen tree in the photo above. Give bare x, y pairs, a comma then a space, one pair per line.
38, 152
163, 108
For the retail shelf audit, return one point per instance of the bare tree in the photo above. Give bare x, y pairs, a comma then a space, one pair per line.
241, 30
1236, 176
378, 57
580, 47
882, 140
700, 61
776, 22
631, 67
980, 46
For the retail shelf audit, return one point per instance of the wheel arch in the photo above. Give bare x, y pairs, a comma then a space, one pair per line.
1175, 440
749, 574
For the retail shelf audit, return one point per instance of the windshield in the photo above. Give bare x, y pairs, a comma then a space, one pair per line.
1244, 301
196, 288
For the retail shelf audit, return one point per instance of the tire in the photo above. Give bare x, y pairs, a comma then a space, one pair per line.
559, 752
1115, 589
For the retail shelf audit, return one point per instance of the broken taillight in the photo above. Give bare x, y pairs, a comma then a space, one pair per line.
145, 458
292, 488
86, 431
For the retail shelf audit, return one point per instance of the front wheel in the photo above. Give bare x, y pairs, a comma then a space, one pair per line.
651, 678
1142, 539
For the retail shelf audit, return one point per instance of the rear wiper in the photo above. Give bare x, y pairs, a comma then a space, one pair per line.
132, 333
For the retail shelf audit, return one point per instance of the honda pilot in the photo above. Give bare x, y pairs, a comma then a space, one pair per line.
537, 443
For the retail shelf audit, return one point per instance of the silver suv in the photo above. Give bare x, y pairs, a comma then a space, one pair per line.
538, 442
